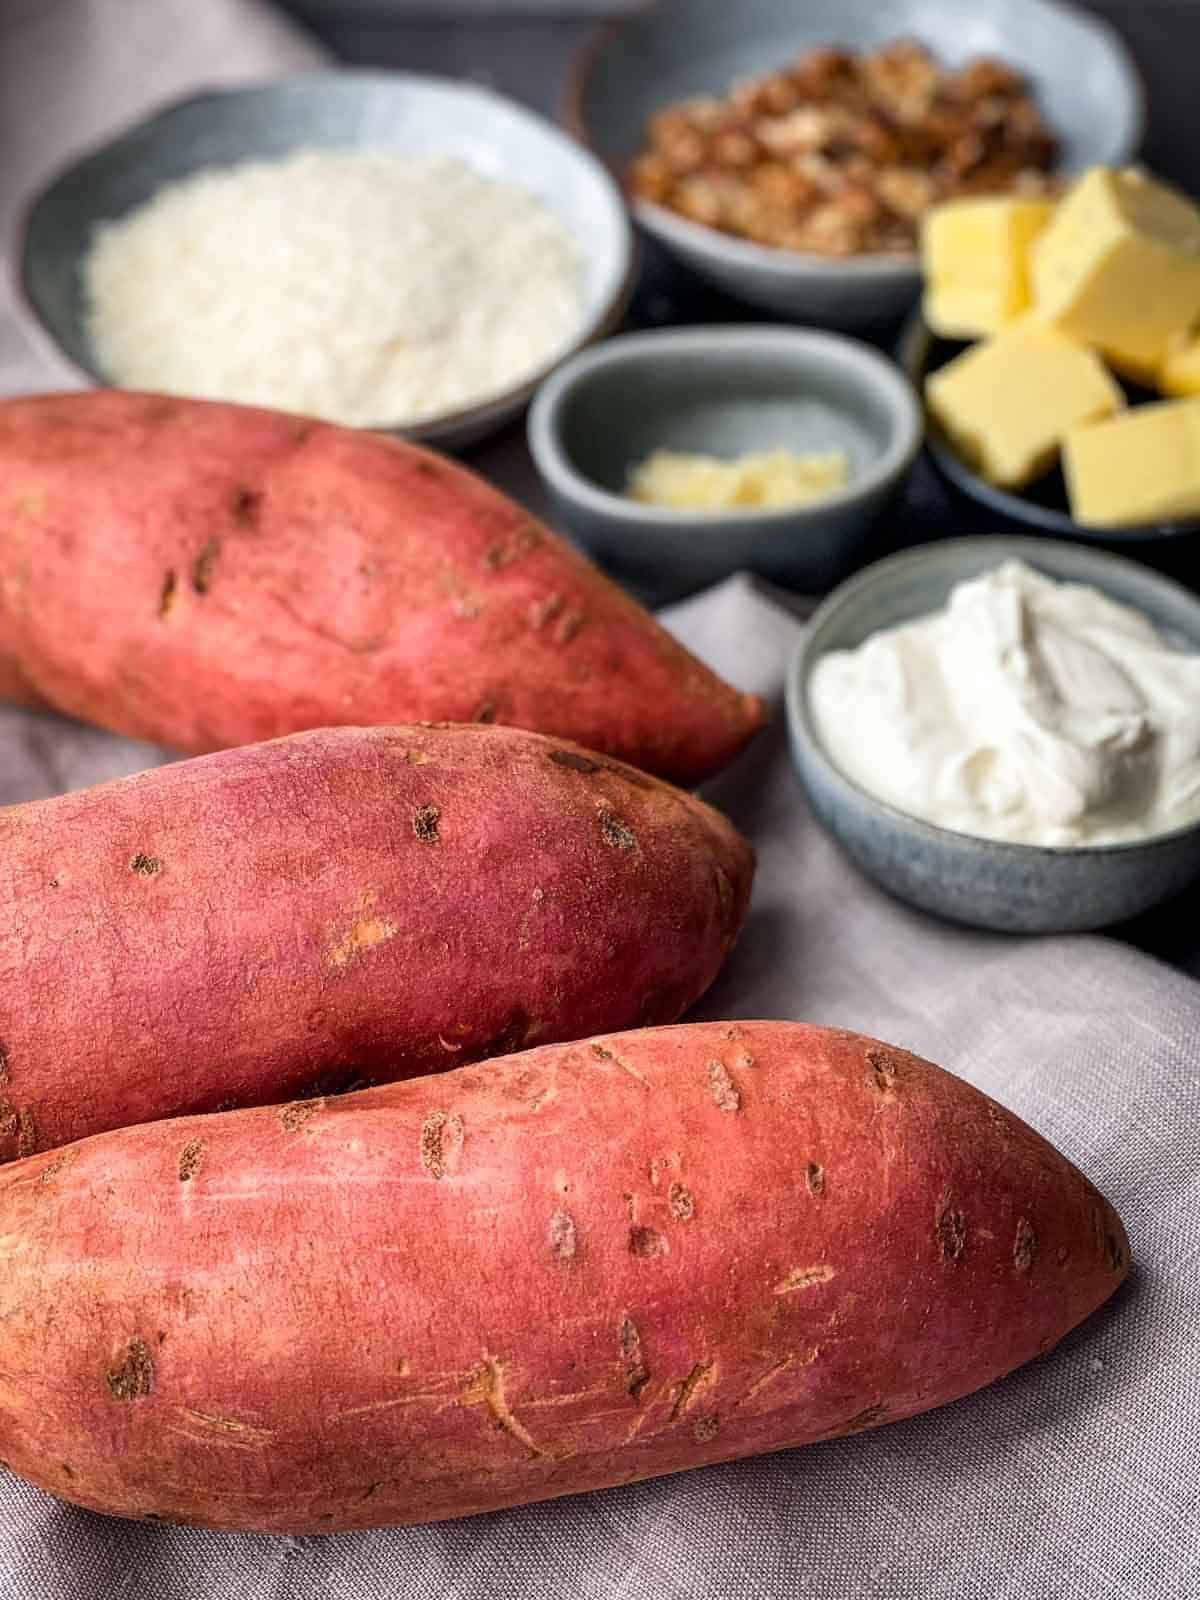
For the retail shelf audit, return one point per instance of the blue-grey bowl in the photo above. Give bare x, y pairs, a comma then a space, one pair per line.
401, 112
723, 391
987, 883
1084, 79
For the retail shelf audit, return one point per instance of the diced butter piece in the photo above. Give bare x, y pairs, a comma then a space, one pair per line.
1180, 371
1119, 268
1139, 468
975, 255
1007, 405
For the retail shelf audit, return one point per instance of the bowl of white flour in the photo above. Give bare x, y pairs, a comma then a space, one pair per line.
377, 249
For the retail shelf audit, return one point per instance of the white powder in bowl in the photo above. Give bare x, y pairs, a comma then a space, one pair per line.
364, 288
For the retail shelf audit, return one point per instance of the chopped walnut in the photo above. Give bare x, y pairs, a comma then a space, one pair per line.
844, 154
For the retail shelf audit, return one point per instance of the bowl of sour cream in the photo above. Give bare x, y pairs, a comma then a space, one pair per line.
1006, 732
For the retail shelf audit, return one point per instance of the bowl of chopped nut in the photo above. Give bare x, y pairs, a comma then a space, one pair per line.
789, 153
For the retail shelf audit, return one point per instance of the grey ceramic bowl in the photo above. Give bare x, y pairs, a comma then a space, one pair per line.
1084, 78
392, 111
722, 391
1014, 888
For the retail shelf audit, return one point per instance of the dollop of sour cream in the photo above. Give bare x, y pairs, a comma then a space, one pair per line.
1028, 710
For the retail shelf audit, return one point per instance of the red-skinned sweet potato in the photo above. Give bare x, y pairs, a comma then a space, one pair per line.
337, 906
571, 1268
210, 575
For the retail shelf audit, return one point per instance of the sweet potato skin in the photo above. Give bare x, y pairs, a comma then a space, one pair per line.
571, 1268
207, 575
340, 906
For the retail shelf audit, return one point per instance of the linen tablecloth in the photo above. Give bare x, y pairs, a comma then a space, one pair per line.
1073, 1479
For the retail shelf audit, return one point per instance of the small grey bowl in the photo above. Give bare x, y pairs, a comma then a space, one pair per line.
1012, 888
1082, 75
722, 391
399, 112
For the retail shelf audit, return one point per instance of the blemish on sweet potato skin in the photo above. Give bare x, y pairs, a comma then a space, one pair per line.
804, 1278
246, 507
426, 822
442, 1136
886, 1070
870, 1417
168, 595
951, 1229
363, 935
563, 1242
202, 567
688, 1389
292, 1118
617, 833
145, 866
27, 1135
133, 1377
1025, 1246
60, 1162
191, 1159
679, 1199
814, 1177
647, 1243
637, 1373
575, 760
1109, 1246
725, 1093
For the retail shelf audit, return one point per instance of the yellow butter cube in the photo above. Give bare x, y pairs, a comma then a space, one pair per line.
1119, 268
1141, 467
1007, 405
975, 255
1180, 371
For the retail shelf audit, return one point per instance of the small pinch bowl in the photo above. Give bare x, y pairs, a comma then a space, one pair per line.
402, 113
724, 391
1083, 77
986, 883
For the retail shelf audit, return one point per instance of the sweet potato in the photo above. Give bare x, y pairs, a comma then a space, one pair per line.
341, 906
209, 575
571, 1268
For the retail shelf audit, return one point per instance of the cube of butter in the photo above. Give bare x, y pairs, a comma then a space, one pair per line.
1119, 268
1007, 405
975, 255
1180, 371
1141, 467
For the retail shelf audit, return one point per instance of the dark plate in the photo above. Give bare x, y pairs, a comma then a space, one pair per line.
1043, 506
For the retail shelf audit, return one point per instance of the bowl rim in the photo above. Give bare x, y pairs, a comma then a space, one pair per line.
490, 411
913, 348
1005, 547
873, 369
767, 260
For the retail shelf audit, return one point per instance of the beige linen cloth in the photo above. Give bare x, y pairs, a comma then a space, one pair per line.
1076, 1479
